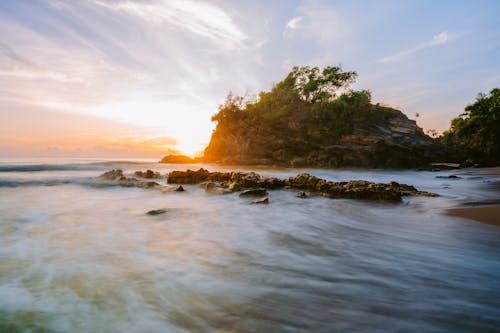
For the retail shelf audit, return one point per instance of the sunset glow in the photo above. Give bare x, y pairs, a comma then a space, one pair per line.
143, 78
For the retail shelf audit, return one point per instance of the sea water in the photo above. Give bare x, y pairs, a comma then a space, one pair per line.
80, 255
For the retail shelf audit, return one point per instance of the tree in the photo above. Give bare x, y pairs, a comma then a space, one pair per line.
314, 85
477, 130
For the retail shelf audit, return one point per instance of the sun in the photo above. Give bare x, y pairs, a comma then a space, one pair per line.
190, 148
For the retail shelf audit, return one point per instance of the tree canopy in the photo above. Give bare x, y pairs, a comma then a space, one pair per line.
477, 130
308, 110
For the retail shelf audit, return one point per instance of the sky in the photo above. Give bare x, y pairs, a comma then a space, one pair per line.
124, 78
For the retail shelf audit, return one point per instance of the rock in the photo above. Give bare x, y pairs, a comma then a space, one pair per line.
112, 174
264, 200
258, 192
177, 159
449, 177
148, 174
215, 188
227, 182
188, 176
301, 194
156, 212
143, 184
171, 189
234, 187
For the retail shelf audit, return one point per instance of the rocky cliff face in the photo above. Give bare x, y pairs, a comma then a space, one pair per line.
396, 142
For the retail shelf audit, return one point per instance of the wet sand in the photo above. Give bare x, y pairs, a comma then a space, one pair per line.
488, 214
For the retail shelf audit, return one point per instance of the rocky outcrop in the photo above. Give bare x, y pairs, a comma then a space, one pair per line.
178, 159
391, 142
251, 185
355, 189
254, 184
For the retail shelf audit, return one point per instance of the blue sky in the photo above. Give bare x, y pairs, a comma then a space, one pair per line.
140, 78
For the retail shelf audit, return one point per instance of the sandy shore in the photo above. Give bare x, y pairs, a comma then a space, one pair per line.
487, 214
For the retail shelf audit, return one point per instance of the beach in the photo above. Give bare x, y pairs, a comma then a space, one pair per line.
81, 254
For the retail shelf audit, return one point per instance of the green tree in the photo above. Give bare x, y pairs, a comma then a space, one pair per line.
477, 130
314, 85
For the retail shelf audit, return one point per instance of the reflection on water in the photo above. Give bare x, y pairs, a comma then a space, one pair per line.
77, 257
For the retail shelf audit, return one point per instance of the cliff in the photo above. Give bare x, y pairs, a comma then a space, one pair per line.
285, 127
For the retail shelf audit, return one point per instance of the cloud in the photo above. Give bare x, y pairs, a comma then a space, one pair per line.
294, 23
199, 18
439, 39
320, 24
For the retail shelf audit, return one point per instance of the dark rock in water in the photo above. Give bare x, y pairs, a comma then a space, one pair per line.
156, 212
216, 188
142, 184
117, 176
264, 200
177, 159
256, 185
188, 176
301, 194
449, 177
112, 175
354, 189
148, 174
258, 192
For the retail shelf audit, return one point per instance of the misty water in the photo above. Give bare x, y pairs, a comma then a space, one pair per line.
80, 255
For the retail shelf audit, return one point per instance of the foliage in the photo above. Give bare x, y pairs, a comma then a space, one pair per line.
477, 130
314, 85
309, 108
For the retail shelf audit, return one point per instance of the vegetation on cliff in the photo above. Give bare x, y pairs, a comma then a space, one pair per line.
312, 118
477, 131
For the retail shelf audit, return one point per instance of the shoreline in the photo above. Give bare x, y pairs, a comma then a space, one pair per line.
489, 214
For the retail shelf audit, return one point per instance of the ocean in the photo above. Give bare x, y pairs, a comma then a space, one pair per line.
81, 255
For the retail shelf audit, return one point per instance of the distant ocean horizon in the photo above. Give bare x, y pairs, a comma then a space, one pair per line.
78, 254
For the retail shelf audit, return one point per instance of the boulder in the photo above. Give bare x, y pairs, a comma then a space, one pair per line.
156, 212
215, 188
112, 174
301, 194
264, 200
256, 192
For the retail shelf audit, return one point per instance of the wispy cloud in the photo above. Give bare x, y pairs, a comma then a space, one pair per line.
320, 24
439, 39
200, 18
293, 23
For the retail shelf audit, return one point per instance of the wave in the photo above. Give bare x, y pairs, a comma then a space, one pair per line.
91, 182
48, 167
19, 183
